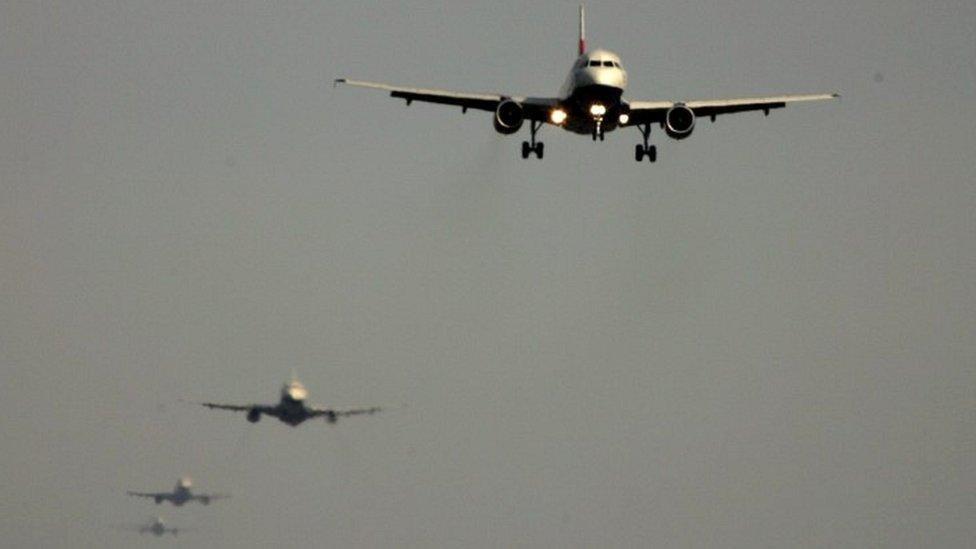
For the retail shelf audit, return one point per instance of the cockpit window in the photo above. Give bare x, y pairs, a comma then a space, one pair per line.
608, 63
594, 63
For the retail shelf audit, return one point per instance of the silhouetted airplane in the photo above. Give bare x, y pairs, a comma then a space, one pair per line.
156, 527
591, 102
291, 408
180, 495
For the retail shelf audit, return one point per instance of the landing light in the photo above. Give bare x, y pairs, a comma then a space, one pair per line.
557, 116
597, 109
624, 118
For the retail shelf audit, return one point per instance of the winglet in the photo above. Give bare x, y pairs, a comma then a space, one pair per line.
582, 30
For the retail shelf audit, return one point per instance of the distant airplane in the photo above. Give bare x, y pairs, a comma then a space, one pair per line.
180, 495
156, 527
291, 408
591, 102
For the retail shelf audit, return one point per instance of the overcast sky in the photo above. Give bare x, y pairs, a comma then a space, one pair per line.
765, 339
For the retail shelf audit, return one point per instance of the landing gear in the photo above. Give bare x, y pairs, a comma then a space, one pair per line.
533, 146
650, 151
598, 130
640, 151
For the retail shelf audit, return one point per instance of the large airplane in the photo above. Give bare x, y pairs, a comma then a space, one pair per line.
156, 527
180, 495
291, 407
591, 102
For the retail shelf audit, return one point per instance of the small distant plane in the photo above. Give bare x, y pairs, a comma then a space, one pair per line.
156, 527
590, 102
291, 408
180, 495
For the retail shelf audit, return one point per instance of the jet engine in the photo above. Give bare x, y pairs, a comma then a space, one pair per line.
508, 117
679, 121
253, 415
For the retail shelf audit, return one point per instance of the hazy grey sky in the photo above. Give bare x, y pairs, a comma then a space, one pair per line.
766, 339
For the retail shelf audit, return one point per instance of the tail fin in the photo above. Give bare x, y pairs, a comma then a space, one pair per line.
582, 31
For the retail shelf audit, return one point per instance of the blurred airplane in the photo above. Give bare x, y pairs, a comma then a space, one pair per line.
180, 495
156, 527
291, 407
591, 102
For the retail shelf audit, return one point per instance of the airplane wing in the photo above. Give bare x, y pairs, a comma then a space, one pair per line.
207, 498
332, 415
535, 108
153, 495
237, 407
643, 112
141, 528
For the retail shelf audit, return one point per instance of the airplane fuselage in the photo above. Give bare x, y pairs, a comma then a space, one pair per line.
157, 529
593, 91
292, 411
181, 495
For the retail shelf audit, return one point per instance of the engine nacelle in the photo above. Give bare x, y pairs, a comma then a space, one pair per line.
679, 121
254, 415
508, 117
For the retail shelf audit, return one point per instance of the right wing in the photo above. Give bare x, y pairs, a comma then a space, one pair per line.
535, 108
153, 495
236, 407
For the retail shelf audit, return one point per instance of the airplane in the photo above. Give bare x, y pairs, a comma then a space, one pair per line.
291, 408
180, 495
591, 102
157, 527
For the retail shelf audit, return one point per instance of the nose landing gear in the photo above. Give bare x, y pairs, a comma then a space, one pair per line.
650, 151
533, 147
598, 130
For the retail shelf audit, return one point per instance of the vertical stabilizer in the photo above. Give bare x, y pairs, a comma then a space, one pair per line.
582, 31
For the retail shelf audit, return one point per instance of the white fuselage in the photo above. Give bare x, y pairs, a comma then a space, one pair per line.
592, 94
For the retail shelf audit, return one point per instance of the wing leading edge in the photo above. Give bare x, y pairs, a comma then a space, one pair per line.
536, 108
642, 112
332, 415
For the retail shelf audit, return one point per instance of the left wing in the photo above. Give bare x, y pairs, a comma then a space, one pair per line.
536, 108
207, 498
333, 415
643, 112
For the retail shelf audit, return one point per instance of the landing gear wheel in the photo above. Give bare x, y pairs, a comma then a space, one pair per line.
533, 146
648, 150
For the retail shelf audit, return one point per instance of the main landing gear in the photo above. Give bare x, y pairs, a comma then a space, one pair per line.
533, 147
650, 151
